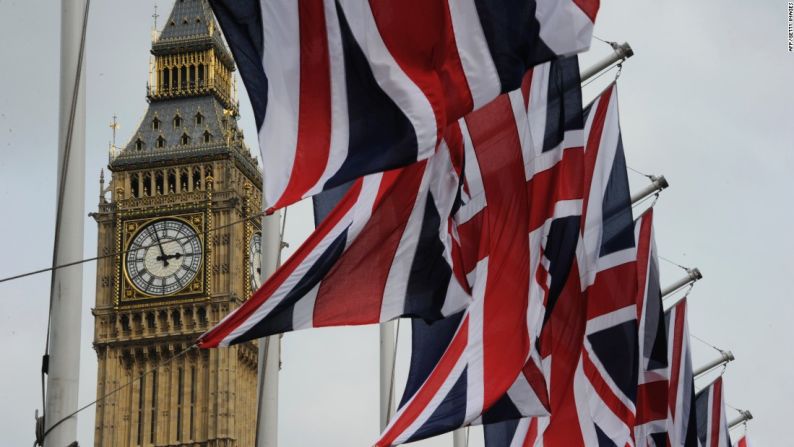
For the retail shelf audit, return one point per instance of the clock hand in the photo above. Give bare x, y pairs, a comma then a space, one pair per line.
162, 256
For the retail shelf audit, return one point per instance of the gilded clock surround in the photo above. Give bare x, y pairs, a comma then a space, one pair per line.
130, 293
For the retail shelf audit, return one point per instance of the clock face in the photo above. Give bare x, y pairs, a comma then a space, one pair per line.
163, 257
255, 260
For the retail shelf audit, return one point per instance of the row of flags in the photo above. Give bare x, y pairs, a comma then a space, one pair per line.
461, 183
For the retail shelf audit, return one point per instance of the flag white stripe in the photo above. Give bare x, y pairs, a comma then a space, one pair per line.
278, 135
474, 53
340, 126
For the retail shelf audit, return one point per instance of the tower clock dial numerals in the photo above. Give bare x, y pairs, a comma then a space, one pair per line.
255, 258
163, 257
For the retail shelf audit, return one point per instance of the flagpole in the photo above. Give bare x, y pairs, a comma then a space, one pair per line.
692, 275
269, 360
744, 416
725, 357
657, 184
622, 52
62, 364
388, 346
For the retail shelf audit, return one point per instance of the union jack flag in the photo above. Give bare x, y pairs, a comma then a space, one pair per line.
681, 425
522, 189
344, 88
383, 252
589, 343
711, 420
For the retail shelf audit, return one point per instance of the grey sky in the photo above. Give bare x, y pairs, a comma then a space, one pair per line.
707, 101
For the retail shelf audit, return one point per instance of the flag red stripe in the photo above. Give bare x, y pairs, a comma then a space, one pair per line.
611, 291
716, 412
651, 402
561, 182
314, 107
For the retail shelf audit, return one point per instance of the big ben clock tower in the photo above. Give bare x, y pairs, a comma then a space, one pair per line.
178, 221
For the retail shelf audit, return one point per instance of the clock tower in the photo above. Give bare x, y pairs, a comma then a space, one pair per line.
177, 249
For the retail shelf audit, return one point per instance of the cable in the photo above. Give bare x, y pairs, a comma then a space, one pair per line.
114, 391
706, 343
640, 172
122, 252
674, 263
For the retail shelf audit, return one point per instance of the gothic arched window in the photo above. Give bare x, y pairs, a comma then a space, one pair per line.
177, 121
155, 123
160, 141
207, 136
185, 140
138, 144
199, 118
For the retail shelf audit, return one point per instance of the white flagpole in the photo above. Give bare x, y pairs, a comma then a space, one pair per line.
622, 52
388, 345
745, 416
270, 347
725, 357
67, 283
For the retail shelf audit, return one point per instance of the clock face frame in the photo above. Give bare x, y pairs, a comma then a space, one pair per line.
255, 260
163, 257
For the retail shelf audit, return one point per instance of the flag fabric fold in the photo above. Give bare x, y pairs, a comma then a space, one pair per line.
650, 427
712, 424
521, 197
681, 424
345, 88
383, 252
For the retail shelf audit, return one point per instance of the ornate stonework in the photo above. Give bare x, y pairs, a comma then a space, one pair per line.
186, 165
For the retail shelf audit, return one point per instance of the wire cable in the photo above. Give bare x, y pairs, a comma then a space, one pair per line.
117, 389
707, 343
123, 252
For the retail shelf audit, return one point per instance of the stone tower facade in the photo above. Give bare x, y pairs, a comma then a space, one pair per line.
180, 251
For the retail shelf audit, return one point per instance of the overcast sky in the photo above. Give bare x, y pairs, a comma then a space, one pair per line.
707, 101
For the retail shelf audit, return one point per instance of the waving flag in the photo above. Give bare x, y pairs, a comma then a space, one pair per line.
711, 420
743, 442
344, 88
383, 252
650, 428
610, 351
523, 185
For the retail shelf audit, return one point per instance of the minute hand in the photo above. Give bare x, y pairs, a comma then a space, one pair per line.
162, 256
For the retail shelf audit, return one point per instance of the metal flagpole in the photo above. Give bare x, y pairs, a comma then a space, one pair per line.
692, 275
270, 347
657, 184
63, 361
744, 416
725, 357
388, 345
622, 52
